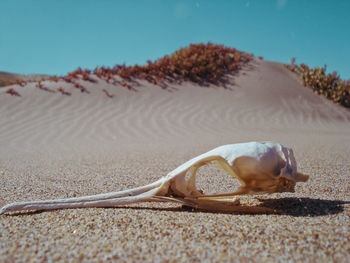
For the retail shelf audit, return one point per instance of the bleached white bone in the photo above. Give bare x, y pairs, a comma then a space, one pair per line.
265, 167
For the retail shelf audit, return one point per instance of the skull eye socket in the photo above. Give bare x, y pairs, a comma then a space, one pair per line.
212, 179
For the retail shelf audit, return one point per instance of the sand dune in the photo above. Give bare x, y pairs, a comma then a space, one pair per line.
264, 96
54, 145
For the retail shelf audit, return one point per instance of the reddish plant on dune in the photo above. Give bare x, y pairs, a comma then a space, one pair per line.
13, 92
68, 78
39, 85
126, 85
86, 75
199, 63
63, 91
80, 87
109, 95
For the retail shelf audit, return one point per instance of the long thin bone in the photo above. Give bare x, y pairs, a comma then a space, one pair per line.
139, 194
266, 167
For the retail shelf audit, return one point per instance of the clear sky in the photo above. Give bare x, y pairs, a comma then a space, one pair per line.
57, 36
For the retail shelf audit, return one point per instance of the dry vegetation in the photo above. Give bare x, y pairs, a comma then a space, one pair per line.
330, 85
199, 63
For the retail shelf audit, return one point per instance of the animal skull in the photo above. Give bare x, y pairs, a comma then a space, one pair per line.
265, 167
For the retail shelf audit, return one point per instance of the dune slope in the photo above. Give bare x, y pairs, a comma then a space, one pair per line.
264, 97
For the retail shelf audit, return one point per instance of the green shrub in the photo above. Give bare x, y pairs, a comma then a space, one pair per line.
327, 85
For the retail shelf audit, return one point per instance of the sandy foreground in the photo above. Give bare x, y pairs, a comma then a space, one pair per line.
56, 146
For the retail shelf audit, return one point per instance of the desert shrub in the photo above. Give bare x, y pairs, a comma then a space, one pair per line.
329, 85
13, 92
199, 63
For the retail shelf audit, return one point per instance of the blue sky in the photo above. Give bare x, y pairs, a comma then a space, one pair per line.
55, 37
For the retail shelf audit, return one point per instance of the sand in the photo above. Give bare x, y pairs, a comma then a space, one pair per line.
55, 146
